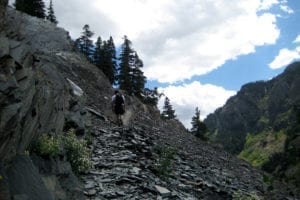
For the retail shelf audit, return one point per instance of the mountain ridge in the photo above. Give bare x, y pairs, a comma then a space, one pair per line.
266, 108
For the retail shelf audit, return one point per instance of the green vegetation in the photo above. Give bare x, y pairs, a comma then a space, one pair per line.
212, 135
168, 112
76, 150
32, 7
264, 120
239, 195
48, 146
199, 128
258, 148
164, 158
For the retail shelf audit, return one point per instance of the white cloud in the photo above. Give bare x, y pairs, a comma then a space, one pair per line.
267, 4
186, 98
284, 58
286, 9
297, 40
176, 39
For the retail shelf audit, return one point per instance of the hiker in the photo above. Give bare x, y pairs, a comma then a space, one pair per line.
118, 106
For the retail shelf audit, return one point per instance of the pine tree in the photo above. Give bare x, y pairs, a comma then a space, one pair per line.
32, 7
104, 58
84, 42
151, 96
109, 57
168, 112
198, 127
137, 76
131, 77
50, 15
98, 53
126, 58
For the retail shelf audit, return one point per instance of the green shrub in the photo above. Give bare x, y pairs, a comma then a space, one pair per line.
48, 145
77, 152
239, 195
164, 159
259, 148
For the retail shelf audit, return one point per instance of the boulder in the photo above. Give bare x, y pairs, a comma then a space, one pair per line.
25, 180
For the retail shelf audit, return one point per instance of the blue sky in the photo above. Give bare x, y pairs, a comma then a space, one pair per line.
198, 52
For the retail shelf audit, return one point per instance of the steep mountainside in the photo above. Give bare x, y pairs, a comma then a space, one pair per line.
262, 121
48, 88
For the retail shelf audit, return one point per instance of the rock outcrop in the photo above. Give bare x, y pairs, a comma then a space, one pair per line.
3, 4
37, 95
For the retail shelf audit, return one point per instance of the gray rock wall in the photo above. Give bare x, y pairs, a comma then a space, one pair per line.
33, 97
3, 4
36, 58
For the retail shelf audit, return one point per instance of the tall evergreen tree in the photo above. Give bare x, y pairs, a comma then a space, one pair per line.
104, 58
32, 7
198, 127
137, 75
168, 112
50, 14
98, 52
124, 66
130, 77
84, 42
109, 60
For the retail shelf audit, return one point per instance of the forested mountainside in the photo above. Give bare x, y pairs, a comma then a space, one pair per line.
261, 124
58, 139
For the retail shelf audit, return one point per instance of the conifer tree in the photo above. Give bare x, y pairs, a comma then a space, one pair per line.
104, 58
151, 96
32, 7
131, 78
98, 52
198, 127
126, 57
137, 76
50, 14
109, 60
168, 112
84, 42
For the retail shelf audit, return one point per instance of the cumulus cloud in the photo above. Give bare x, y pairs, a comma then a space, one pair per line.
195, 44
187, 97
267, 4
284, 58
176, 39
297, 40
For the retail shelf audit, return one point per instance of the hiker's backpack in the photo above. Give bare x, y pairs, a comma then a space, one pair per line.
119, 106
119, 101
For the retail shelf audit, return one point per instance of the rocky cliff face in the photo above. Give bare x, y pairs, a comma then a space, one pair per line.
35, 96
47, 88
256, 107
3, 4
38, 68
263, 115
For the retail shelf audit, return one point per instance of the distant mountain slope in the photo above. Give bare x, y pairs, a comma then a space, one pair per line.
262, 121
